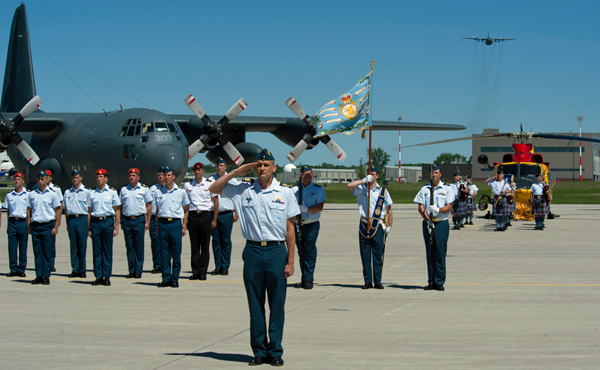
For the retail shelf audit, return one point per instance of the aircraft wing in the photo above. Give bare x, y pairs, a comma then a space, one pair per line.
40, 125
473, 38
269, 124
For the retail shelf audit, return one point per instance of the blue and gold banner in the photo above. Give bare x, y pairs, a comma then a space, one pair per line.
348, 113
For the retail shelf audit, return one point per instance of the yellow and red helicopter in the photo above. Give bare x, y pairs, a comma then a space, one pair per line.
522, 166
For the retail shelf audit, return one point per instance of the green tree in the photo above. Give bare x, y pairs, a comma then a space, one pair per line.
449, 158
380, 158
360, 170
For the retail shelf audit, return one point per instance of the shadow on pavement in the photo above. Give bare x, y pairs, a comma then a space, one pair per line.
233, 357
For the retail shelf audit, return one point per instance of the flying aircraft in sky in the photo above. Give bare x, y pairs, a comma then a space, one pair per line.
139, 137
488, 40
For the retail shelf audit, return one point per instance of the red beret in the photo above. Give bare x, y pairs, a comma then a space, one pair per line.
49, 172
19, 174
101, 171
133, 170
198, 166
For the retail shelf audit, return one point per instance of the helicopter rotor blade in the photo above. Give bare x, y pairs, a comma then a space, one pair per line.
460, 139
566, 137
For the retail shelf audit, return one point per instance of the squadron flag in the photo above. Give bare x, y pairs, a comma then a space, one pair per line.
348, 113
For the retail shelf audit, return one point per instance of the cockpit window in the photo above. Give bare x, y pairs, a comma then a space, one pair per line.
131, 131
172, 127
147, 127
138, 128
131, 127
161, 126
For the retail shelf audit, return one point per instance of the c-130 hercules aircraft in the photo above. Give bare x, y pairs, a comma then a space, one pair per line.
139, 137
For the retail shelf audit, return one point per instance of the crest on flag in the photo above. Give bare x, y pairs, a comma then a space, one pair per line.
348, 113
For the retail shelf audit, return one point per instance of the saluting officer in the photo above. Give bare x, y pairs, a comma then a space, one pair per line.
136, 209
154, 240
435, 220
58, 191
221, 234
16, 203
43, 219
313, 199
76, 210
171, 210
203, 209
267, 212
370, 237
104, 213
538, 202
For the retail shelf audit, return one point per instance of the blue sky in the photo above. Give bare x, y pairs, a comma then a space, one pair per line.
266, 51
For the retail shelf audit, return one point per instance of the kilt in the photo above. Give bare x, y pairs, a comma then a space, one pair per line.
459, 207
540, 210
471, 205
503, 209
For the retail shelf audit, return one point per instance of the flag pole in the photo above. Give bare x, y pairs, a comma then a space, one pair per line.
370, 139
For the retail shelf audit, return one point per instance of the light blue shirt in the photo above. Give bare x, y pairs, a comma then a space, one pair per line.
225, 204
170, 203
76, 201
263, 213
442, 195
499, 186
43, 205
537, 189
456, 189
103, 201
153, 190
134, 200
362, 195
57, 190
17, 203
312, 195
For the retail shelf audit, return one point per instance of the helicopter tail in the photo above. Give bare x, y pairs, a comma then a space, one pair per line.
19, 83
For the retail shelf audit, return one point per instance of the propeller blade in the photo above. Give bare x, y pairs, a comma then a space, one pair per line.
334, 147
25, 149
299, 111
298, 149
29, 108
233, 112
233, 153
195, 107
197, 146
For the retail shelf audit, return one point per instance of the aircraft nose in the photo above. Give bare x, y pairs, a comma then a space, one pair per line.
174, 157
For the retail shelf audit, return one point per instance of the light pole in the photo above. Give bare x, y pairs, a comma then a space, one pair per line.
580, 118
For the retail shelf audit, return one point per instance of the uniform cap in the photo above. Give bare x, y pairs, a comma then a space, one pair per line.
265, 155
457, 173
374, 169
19, 174
220, 160
198, 166
434, 167
42, 174
101, 171
305, 168
161, 169
75, 172
167, 169
133, 170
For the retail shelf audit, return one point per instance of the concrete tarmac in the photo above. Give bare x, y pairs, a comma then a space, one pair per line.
520, 299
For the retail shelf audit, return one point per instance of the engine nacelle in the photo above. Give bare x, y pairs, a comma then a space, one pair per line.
5, 143
293, 132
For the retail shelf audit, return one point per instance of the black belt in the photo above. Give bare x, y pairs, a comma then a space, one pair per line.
199, 212
17, 219
169, 219
225, 212
41, 223
264, 244
75, 216
94, 218
133, 217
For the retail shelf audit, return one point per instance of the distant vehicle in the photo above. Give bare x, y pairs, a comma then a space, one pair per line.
488, 40
7, 168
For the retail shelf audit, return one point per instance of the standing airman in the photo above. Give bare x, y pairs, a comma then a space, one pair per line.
76, 210
16, 203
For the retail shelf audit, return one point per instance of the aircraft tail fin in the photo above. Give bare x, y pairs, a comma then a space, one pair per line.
19, 83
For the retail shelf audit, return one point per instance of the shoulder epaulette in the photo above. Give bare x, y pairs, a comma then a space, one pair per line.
284, 185
318, 185
142, 185
247, 179
209, 179
111, 188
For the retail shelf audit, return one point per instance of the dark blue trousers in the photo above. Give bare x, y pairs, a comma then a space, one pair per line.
134, 230
264, 278
221, 240
102, 244
155, 244
78, 234
43, 244
307, 249
17, 244
170, 241
436, 253
372, 247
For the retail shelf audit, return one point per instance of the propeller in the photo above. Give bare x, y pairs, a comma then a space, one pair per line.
308, 137
215, 130
10, 130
